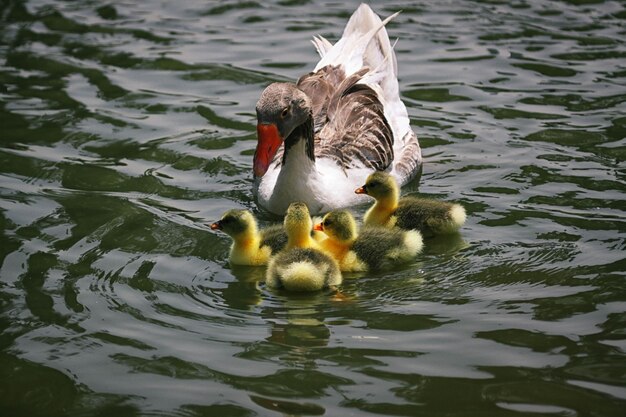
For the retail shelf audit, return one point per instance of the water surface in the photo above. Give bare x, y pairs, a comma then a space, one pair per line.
127, 127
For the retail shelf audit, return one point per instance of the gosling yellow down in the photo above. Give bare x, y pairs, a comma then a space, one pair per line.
250, 246
371, 249
431, 217
301, 266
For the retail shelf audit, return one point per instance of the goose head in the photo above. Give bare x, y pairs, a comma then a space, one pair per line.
338, 225
281, 108
235, 223
380, 185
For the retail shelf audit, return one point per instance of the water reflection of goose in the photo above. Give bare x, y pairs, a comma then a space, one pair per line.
335, 124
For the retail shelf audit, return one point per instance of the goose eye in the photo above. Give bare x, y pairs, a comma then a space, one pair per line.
285, 112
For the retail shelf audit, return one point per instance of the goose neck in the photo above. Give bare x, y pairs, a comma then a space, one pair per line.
301, 140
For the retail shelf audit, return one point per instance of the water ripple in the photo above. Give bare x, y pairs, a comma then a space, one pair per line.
128, 127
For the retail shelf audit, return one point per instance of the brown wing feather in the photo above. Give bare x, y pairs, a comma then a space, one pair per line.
321, 86
357, 129
349, 119
407, 163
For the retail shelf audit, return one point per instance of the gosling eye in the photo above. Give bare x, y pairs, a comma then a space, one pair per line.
327, 223
373, 184
285, 112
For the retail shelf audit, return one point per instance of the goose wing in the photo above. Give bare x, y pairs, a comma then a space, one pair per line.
349, 119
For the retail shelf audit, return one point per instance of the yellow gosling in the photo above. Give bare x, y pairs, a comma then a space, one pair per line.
385, 190
429, 216
250, 247
299, 226
373, 249
301, 266
303, 269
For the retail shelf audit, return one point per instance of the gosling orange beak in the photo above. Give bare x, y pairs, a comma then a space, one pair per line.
216, 226
319, 227
361, 190
269, 140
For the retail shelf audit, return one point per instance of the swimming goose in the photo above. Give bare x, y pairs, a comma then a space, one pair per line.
429, 216
319, 137
250, 246
301, 266
372, 248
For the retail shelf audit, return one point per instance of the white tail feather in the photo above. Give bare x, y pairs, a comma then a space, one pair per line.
322, 46
376, 75
353, 50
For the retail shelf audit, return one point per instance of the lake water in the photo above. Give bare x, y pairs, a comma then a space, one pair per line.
127, 127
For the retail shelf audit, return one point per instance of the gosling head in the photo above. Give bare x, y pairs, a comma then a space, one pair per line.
298, 219
235, 223
379, 185
338, 225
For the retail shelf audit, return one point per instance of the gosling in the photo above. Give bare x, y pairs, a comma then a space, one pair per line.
431, 217
374, 248
250, 246
301, 266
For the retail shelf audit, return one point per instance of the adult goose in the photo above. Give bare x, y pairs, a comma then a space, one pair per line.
318, 138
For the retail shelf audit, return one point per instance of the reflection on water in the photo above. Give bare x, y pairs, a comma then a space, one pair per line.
127, 128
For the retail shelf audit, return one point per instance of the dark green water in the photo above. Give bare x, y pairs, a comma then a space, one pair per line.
126, 127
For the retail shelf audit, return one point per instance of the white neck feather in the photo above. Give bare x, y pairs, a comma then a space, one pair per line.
322, 185
296, 179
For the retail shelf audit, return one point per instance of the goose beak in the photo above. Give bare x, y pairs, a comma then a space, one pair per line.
361, 190
269, 140
319, 227
216, 226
